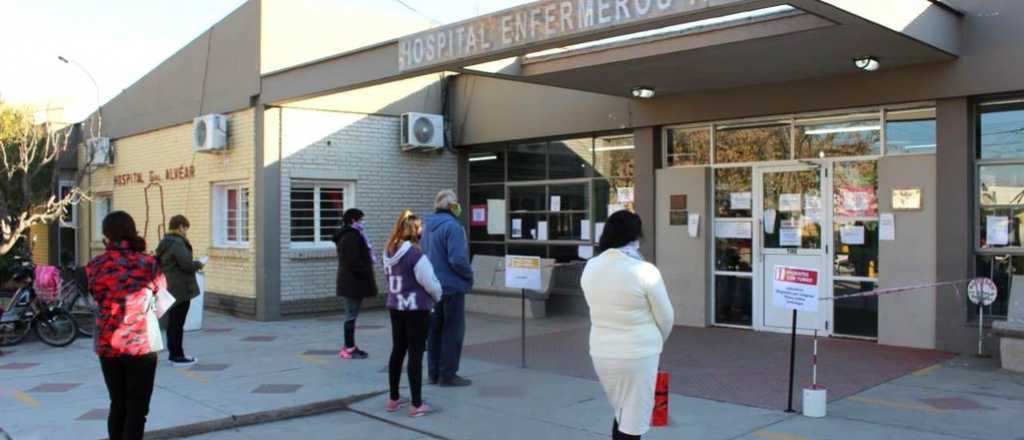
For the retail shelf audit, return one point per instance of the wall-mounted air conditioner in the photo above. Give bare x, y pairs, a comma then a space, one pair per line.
210, 133
101, 152
422, 131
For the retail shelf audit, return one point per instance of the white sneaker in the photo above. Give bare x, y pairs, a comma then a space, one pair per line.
184, 362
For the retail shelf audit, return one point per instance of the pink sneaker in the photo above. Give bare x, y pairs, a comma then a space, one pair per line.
419, 411
395, 405
346, 353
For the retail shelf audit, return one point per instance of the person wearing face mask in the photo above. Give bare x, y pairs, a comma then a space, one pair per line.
175, 256
356, 280
444, 242
631, 317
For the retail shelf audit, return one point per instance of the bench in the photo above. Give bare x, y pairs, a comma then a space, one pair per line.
490, 296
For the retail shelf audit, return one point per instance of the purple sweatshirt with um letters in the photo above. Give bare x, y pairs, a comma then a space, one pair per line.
412, 285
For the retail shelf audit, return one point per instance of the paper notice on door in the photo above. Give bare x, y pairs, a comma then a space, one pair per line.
479, 215
739, 201
542, 230
496, 217
517, 228
789, 203
724, 229
585, 252
598, 230
693, 225
769, 221
625, 194
886, 226
812, 208
997, 230
556, 203
584, 229
851, 234
790, 233
615, 207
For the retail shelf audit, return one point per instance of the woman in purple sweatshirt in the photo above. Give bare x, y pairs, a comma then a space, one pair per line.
412, 291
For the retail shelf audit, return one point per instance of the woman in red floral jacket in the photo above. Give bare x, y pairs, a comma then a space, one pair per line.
122, 279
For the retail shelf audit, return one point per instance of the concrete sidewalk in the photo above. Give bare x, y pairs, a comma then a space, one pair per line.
248, 367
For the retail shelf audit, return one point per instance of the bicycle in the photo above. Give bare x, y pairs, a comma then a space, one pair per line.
53, 325
74, 298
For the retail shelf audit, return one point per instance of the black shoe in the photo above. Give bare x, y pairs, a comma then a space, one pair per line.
183, 362
456, 381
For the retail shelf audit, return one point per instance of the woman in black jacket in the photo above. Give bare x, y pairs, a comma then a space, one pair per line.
355, 276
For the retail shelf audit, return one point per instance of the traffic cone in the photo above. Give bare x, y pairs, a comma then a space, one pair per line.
660, 415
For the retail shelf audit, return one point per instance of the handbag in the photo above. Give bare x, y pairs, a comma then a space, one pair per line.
153, 333
660, 415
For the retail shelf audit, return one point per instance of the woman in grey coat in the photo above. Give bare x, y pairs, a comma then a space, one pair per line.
175, 256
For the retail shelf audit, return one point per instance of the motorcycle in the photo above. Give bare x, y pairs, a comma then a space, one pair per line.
53, 325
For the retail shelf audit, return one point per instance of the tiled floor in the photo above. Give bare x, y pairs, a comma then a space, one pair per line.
728, 365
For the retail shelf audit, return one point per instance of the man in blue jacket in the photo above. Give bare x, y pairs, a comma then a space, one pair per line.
444, 243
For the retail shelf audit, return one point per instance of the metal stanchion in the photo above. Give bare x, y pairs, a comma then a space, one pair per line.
522, 327
792, 363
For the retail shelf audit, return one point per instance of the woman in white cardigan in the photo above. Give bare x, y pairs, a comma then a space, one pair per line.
630, 319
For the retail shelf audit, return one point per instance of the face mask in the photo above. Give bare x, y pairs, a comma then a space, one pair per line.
457, 209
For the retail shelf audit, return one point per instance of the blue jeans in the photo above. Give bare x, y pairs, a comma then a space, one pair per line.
352, 307
447, 331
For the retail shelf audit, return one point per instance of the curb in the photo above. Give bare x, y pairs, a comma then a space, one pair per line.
258, 418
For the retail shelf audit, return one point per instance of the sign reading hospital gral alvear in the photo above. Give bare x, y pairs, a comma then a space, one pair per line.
532, 23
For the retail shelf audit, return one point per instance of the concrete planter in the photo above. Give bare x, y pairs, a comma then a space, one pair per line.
1011, 331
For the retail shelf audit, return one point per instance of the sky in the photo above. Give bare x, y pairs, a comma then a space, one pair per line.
119, 41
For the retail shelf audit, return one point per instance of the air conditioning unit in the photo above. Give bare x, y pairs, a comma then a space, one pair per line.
422, 131
101, 152
210, 133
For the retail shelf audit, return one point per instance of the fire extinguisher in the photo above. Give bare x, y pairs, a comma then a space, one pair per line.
660, 415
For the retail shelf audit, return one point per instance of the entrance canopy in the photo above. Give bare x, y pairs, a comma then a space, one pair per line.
672, 46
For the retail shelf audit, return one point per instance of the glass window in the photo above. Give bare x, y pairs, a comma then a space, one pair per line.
571, 197
611, 195
733, 300
528, 161
564, 254
733, 193
1005, 271
795, 199
102, 205
571, 158
689, 146
752, 144
848, 135
855, 316
733, 254
487, 165
856, 244
1001, 131
614, 156
479, 196
528, 198
1001, 196
316, 211
530, 250
231, 215
523, 226
910, 131
487, 248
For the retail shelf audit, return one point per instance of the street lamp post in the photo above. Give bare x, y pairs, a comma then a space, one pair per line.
99, 130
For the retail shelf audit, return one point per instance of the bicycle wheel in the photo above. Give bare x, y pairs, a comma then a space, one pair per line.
84, 310
57, 328
13, 333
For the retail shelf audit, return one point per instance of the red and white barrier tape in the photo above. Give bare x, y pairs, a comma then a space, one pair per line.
894, 290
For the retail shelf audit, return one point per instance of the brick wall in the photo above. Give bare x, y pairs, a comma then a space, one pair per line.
230, 270
359, 148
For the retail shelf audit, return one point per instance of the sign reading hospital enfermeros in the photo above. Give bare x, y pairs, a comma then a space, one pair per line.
522, 272
533, 23
794, 288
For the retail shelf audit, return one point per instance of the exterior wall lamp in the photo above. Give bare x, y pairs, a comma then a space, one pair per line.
867, 64
643, 92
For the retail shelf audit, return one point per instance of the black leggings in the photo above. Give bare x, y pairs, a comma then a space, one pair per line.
408, 334
130, 384
619, 435
176, 329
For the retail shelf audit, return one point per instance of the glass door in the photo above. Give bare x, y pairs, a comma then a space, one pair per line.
792, 215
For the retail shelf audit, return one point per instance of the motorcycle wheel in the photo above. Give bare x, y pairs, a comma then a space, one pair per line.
83, 310
57, 329
15, 336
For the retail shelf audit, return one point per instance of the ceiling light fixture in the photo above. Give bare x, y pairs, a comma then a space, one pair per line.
867, 64
643, 92
483, 158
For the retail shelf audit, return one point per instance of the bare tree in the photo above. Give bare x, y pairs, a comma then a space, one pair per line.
29, 173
